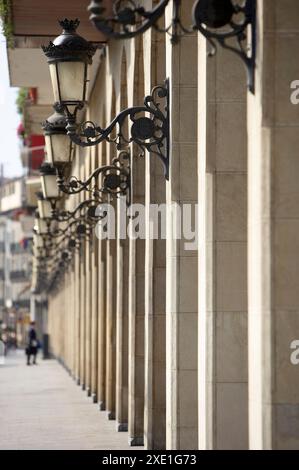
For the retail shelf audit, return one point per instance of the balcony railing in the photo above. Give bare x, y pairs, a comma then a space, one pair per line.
21, 303
18, 276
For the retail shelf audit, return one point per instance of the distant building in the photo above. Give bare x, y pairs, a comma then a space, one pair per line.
16, 223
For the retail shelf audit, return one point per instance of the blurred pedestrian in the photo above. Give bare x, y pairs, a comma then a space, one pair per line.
32, 347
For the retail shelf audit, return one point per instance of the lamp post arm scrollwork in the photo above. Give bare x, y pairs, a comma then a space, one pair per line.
132, 14
111, 179
59, 244
80, 220
59, 232
149, 131
69, 240
84, 210
211, 27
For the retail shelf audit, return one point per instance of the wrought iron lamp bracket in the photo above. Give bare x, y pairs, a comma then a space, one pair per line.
149, 131
86, 209
216, 20
79, 225
112, 180
125, 14
211, 30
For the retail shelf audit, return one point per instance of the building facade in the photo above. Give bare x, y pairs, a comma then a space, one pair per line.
188, 347
16, 223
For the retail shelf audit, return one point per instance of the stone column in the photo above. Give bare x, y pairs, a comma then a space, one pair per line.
222, 329
99, 100
122, 268
122, 332
110, 256
77, 296
273, 230
77, 316
72, 318
88, 289
82, 303
102, 309
155, 268
66, 327
181, 265
136, 275
94, 299
110, 331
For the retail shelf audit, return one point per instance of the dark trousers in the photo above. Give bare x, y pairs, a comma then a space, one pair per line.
31, 352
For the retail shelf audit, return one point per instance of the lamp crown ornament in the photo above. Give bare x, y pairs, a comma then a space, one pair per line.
59, 148
69, 45
56, 122
47, 169
69, 26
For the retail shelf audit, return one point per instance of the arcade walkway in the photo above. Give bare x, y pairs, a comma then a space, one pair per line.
42, 408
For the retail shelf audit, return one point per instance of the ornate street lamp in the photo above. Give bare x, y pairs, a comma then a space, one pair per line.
59, 148
113, 179
48, 182
216, 20
69, 57
150, 123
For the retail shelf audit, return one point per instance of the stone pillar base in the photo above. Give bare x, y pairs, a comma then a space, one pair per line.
122, 427
136, 441
111, 415
94, 398
102, 406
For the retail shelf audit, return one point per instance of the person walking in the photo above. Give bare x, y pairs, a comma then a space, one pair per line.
32, 347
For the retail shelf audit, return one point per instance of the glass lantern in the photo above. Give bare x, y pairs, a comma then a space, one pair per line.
69, 57
48, 181
59, 147
44, 206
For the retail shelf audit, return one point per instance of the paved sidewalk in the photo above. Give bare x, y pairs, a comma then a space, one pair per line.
42, 408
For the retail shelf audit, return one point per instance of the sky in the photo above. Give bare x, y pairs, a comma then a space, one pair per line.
9, 120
